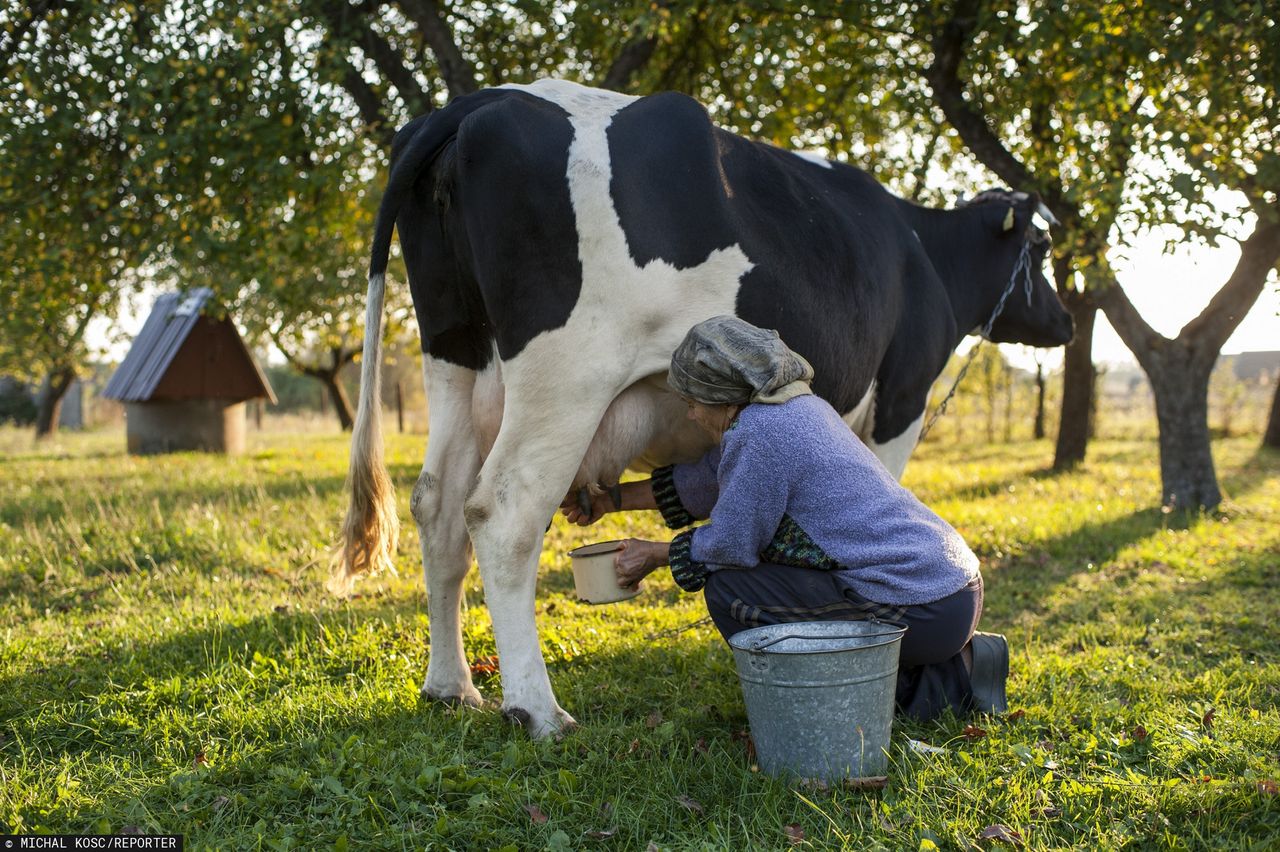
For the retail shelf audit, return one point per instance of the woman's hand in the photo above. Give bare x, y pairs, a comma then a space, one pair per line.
638, 559
573, 509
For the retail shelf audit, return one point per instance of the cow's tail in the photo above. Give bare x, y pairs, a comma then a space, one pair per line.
371, 529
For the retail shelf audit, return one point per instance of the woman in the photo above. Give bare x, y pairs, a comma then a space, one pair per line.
806, 524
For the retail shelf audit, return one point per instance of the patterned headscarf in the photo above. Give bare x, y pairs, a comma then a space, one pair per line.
727, 361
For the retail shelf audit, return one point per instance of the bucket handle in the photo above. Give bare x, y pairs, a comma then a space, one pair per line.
894, 628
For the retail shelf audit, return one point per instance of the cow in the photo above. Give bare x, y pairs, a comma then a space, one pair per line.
559, 242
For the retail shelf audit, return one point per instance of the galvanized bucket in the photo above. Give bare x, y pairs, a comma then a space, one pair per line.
819, 696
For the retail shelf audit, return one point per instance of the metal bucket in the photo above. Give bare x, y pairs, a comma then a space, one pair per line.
819, 696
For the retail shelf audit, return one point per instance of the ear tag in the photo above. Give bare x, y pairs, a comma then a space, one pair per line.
1008, 220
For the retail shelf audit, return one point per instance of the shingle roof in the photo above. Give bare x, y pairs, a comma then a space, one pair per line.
172, 319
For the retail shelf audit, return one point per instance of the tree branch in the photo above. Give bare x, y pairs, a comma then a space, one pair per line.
392, 65
369, 104
1141, 339
347, 25
1259, 254
943, 75
459, 74
634, 55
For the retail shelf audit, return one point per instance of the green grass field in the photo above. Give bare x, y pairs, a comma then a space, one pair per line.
169, 661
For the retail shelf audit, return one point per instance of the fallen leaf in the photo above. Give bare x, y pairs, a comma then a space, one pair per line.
1046, 745
1207, 719
485, 665
535, 814
1016, 715
701, 746
653, 720
886, 824
1268, 787
1139, 733
652, 847
867, 782
219, 803
635, 744
795, 834
973, 732
1002, 833
602, 835
200, 760
1051, 812
750, 744
691, 804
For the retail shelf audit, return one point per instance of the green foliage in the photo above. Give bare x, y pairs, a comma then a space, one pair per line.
169, 661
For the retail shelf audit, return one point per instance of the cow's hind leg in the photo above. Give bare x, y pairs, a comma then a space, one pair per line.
547, 425
447, 474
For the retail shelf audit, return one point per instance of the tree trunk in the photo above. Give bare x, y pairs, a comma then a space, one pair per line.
338, 395
1271, 438
1181, 385
1037, 431
1078, 377
49, 400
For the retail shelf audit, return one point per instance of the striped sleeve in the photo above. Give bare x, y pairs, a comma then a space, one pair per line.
689, 574
668, 500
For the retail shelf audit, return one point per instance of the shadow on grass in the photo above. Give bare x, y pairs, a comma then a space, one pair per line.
1024, 583
1264, 464
317, 768
53, 506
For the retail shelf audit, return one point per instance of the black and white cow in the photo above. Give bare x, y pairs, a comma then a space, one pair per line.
560, 241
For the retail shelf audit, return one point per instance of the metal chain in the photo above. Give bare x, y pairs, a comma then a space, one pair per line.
1022, 266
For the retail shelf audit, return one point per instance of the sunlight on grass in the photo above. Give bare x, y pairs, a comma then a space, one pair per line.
169, 660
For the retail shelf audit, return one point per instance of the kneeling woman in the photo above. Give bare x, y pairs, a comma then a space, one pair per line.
806, 524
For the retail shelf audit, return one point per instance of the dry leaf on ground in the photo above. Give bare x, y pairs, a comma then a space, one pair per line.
1002, 833
485, 665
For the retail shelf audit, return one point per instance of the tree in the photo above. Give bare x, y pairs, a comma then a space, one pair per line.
1271, 438
75, 182
1098, 107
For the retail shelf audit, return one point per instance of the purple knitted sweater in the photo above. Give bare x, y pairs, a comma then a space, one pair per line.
791, 484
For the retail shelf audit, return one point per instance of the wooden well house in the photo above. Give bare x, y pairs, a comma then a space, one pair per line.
186, 379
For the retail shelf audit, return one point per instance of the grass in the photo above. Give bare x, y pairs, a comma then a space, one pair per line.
169, 661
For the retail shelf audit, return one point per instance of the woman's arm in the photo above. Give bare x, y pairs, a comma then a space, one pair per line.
627, 496
753, 490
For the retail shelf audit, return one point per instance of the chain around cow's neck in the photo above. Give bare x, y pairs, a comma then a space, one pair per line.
1023, 265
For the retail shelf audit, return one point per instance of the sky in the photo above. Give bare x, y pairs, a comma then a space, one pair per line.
1169, 290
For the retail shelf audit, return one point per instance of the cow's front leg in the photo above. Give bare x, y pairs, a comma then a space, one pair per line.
447, 474
544, 435
895, 451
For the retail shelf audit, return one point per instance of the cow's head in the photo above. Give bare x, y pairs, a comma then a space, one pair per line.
1032, 312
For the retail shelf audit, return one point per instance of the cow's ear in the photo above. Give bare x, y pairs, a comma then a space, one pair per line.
1008, 220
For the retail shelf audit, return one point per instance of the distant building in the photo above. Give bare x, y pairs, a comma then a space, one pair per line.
186, 379
1249, 366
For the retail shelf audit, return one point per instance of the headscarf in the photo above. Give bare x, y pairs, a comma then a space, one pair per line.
727, 361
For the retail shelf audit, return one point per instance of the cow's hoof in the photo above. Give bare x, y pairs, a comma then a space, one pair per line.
472, 699
556, 723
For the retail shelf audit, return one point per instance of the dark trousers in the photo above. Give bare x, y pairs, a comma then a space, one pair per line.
931, 672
